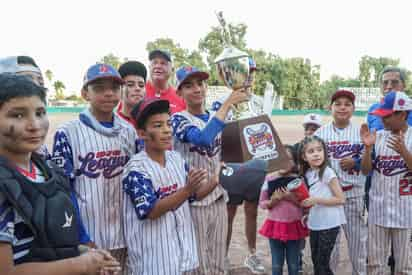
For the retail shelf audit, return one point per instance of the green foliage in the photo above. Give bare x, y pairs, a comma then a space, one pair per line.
180, 56
296, 79
370, 69
112, 60
49, 75
75, 98
59, 88
213, 43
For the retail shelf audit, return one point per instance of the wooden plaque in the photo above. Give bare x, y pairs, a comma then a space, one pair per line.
256, 138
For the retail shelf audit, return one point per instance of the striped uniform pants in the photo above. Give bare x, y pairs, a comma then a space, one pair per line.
379, 247
211, 232
356, 233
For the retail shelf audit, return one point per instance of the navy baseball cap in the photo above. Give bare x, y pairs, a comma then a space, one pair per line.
147, 107
160, 53
100, 71
183, 73
393, 102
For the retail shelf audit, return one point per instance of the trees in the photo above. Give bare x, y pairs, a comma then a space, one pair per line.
59, 89
49, 75
112, 60
181, 56
370, 69
213, 43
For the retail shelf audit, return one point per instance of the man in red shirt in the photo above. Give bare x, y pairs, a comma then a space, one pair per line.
158, 86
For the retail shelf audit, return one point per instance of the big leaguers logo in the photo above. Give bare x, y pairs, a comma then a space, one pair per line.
108, 163
341, 149
394, 165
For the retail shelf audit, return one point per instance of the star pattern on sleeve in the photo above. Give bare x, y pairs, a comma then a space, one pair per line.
62, 154
181, 126
140, 189
216, 106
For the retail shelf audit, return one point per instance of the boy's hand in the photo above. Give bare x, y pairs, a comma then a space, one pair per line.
238, 96
97, 261
309, 202
368, 137
347, 163
195, 179
396, 142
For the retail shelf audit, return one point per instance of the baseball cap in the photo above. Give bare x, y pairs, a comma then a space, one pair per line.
183, 73
99, 71
162, 53
133, 68
312, 119
392, 102
18, 64
343, 93
147, 107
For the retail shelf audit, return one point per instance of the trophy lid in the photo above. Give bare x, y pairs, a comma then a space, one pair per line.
229, 53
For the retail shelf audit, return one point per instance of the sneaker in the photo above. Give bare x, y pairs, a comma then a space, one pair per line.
254, 264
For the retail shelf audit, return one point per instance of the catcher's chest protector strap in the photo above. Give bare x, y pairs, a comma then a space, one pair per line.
46, 208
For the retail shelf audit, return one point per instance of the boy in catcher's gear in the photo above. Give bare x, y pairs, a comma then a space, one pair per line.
93, 150
388, 154
159, 229
345, 149
198, 138
38, 221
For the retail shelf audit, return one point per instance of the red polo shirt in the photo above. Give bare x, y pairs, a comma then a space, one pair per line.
177, 103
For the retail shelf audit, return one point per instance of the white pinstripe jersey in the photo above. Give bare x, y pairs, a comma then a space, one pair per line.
390, 197
165, 245
200, 157
344, 143
93, 157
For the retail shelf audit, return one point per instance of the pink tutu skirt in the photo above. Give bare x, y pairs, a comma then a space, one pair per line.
284, 231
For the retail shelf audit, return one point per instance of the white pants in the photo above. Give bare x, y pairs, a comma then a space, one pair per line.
379, 248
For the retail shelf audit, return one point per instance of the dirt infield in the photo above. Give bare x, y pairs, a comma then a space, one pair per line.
290, 131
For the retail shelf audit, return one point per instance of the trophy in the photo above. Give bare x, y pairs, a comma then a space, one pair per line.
250, 133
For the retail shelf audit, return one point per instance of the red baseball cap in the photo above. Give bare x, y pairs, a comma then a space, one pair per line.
147, 107
343, 93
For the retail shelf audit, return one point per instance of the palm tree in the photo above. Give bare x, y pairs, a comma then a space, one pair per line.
49, 75
59, 89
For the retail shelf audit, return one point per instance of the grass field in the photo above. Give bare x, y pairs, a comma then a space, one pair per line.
290, 131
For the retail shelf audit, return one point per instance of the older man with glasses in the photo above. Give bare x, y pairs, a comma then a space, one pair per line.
392, 79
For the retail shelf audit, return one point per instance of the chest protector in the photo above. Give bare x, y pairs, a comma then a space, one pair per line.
46, 209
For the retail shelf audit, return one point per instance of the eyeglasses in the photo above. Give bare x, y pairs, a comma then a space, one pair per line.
394, 82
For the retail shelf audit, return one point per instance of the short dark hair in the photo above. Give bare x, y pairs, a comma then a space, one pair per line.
393, 69
133, 68
303, 165
26, 60
142, 117
14, 86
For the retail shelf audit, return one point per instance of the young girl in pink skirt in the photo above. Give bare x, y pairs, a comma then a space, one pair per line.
283, 225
